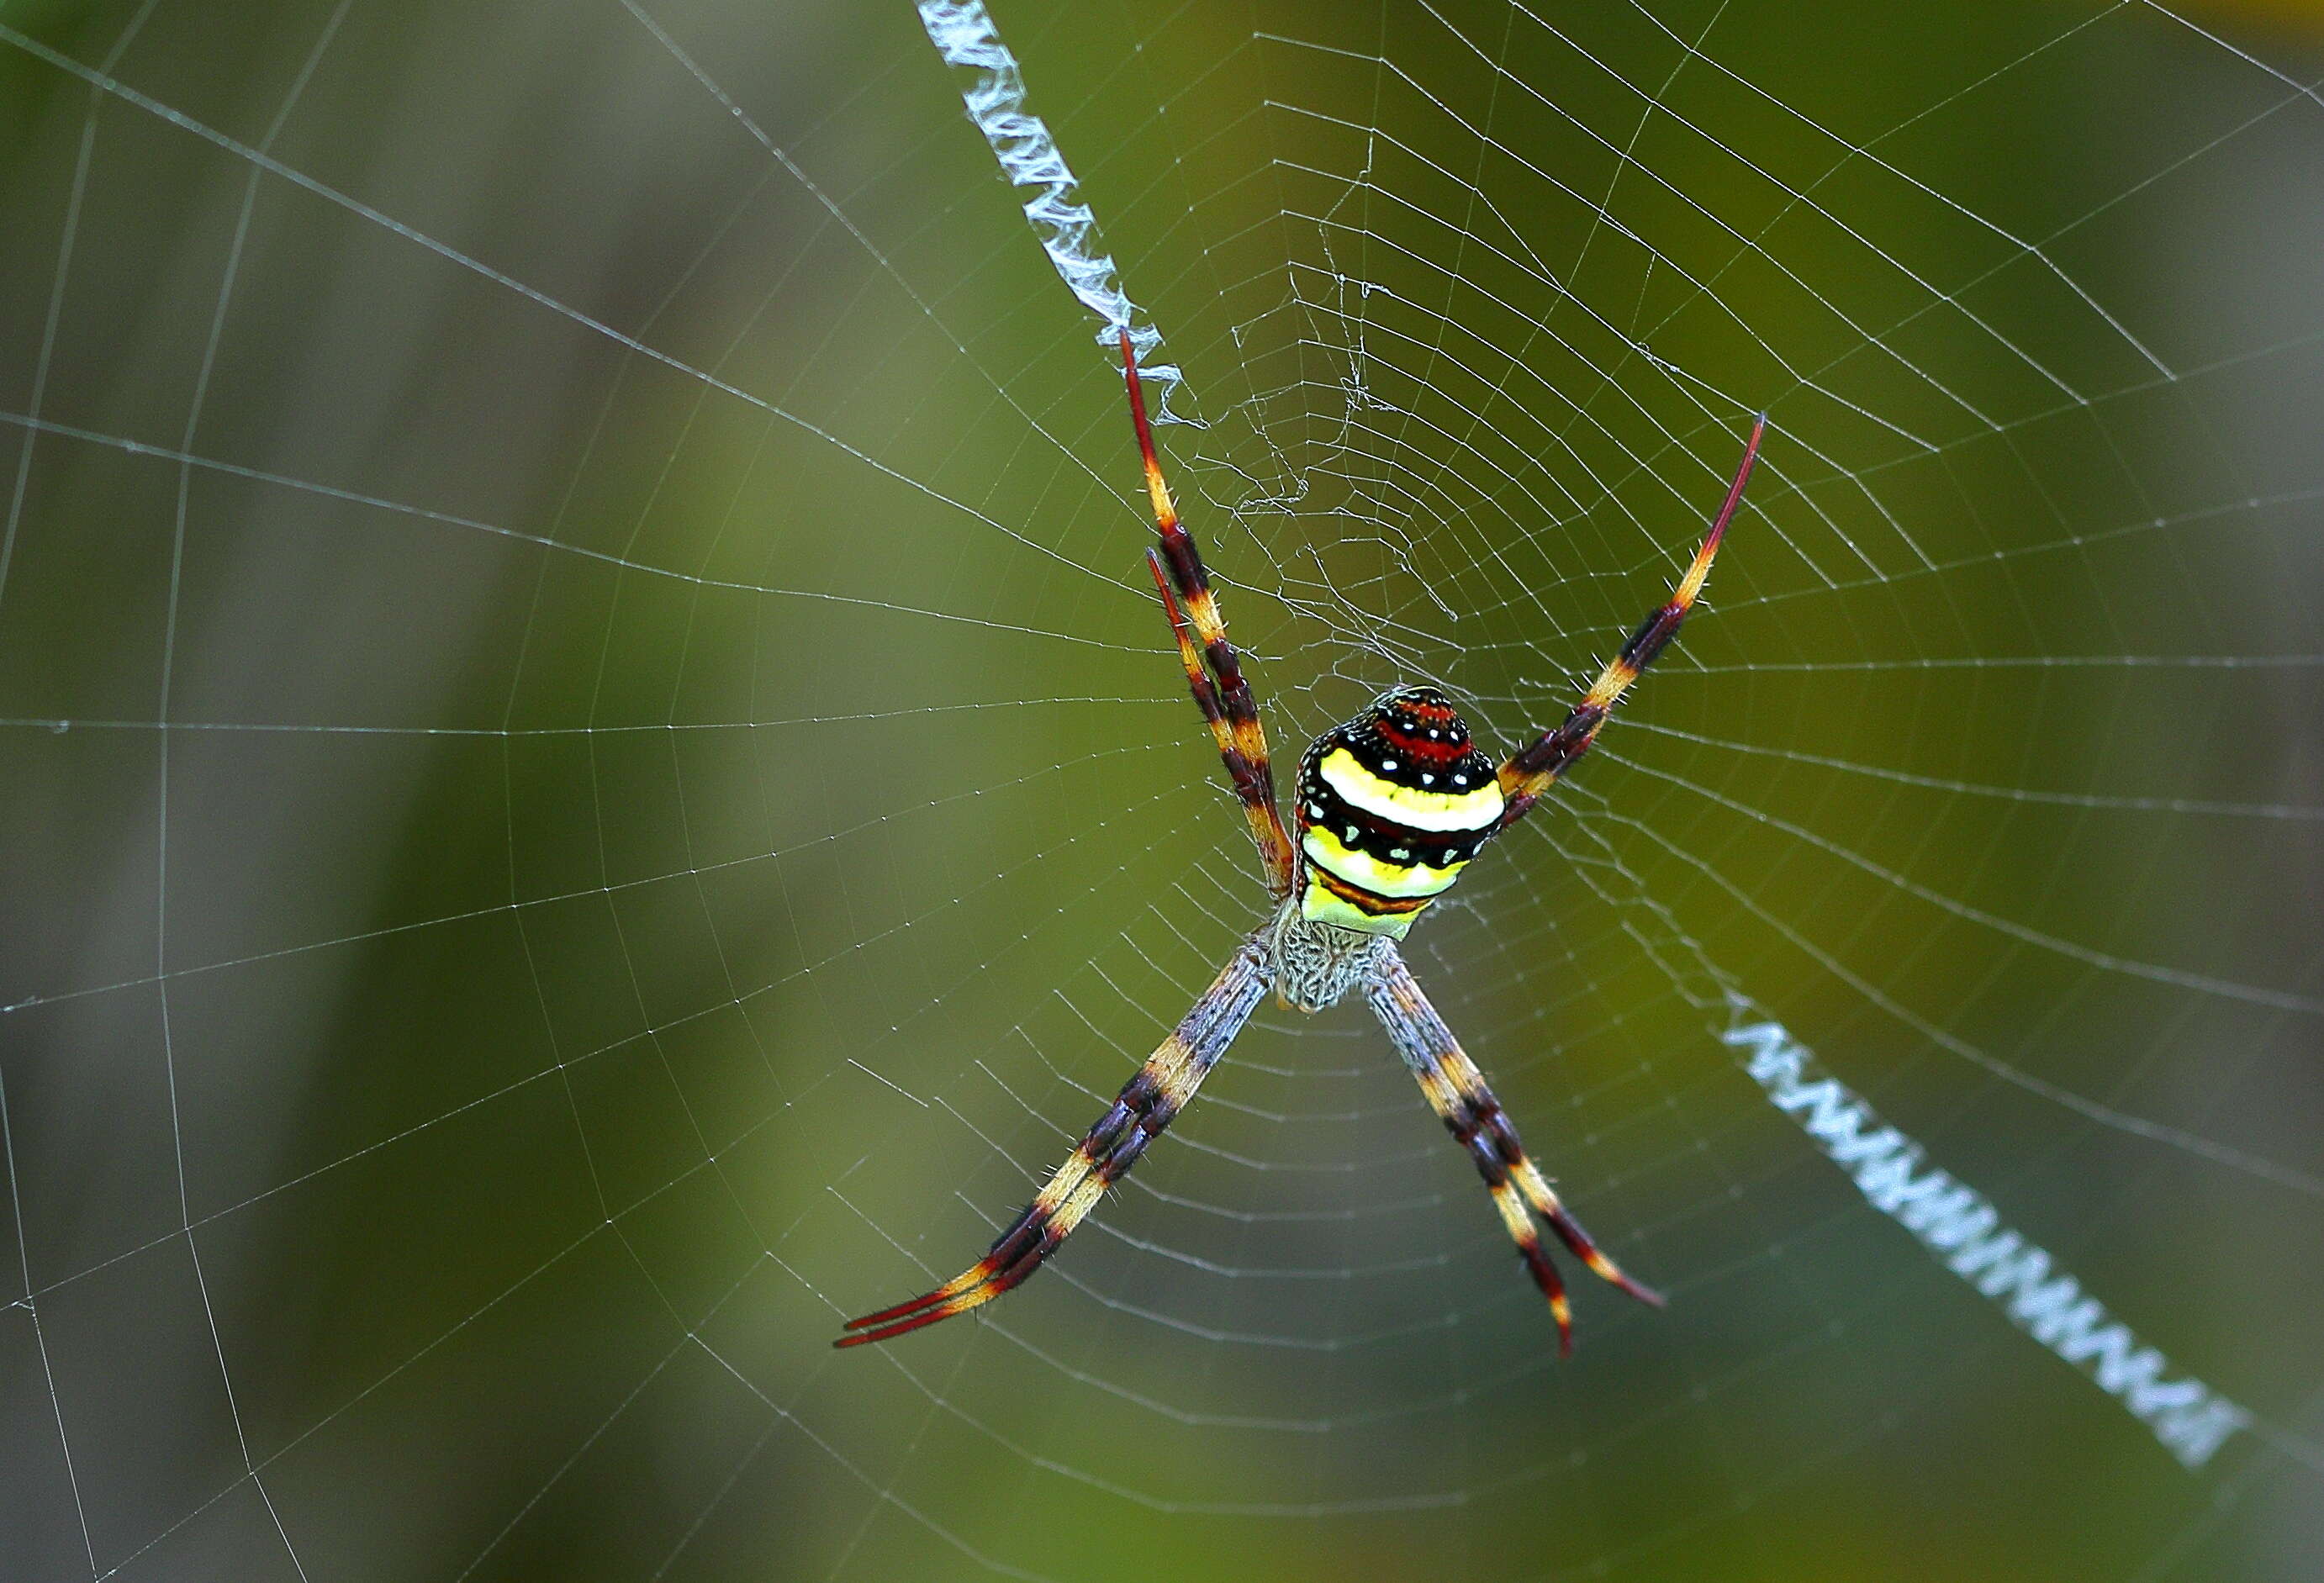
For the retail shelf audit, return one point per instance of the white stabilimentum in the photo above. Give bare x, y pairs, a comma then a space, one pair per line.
1963, 1228
964, 34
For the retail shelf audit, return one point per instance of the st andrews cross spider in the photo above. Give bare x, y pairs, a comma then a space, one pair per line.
1390, 807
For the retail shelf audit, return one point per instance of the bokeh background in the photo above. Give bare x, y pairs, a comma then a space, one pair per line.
590, 783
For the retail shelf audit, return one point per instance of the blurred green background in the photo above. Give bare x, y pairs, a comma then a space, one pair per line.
590, 783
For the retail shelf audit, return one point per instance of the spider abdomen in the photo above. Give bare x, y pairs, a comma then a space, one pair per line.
1391, 807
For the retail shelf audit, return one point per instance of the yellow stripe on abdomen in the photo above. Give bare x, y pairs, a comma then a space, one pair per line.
1476, 808
1379, 876
1326, 899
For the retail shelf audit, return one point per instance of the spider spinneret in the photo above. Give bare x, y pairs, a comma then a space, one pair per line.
1390, 807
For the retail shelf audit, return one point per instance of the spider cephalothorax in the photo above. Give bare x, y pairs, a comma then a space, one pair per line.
1389, 808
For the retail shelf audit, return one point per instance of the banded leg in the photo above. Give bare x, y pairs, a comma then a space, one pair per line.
1213, 669
1528, 774
1456, 1091
1147, 1103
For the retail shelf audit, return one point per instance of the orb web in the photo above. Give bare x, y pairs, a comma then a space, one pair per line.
596, 784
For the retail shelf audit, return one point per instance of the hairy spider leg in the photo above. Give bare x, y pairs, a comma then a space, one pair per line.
1147, 1103
1456, 1091
1529, 773
1213, 669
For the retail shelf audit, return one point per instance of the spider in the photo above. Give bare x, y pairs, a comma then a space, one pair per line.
1390, 807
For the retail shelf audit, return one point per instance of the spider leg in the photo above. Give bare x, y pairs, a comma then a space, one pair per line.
1528, 773
1213, 669
1146, 1104
1456, 1091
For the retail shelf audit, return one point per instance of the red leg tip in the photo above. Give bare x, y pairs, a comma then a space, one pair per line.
867, 1321
889, 1332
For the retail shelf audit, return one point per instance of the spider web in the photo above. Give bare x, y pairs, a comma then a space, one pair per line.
594, 786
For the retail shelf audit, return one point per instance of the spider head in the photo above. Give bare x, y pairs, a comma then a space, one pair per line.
1391, 807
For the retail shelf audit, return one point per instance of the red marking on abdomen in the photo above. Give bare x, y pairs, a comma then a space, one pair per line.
1415, 744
